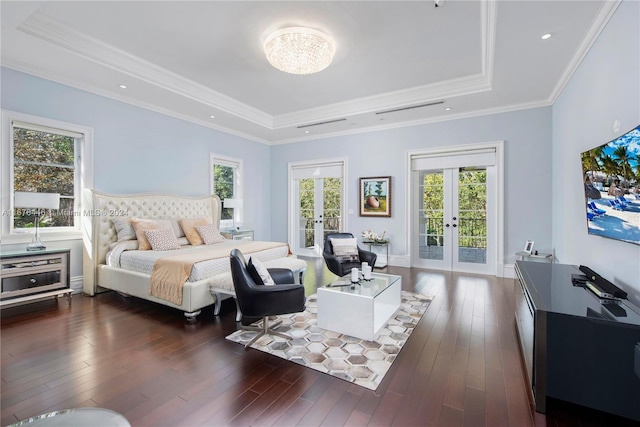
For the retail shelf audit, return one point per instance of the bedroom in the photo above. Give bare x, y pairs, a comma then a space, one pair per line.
135, 147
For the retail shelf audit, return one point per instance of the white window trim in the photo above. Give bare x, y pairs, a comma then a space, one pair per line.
6, 174
218, 159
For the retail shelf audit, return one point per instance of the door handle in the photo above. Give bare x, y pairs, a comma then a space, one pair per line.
455, 225
454, 218
447, 225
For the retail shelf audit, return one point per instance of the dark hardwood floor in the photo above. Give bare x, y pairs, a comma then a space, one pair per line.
460, 367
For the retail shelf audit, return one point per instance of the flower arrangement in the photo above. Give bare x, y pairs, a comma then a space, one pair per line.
370, 236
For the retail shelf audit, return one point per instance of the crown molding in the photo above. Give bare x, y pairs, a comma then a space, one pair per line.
411, 123
45, 27
607, 10
414, 95
396, 99
117, 96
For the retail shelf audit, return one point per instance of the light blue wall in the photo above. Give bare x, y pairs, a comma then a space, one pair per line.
606, 87
137, 150
527, 136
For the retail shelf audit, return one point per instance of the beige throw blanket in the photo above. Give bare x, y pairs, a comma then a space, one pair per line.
171, 272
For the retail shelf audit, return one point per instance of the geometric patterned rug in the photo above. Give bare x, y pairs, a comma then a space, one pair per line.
352, 359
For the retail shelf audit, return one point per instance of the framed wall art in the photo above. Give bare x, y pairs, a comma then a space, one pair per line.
375, 196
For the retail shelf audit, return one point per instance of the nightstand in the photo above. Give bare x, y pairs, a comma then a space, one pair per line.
237, 234
32, 276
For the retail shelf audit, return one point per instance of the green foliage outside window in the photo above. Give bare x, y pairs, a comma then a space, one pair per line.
223, 187
472, 208
44, 163
332, 206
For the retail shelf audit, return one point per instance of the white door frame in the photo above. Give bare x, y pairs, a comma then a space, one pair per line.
498, 146
291, 197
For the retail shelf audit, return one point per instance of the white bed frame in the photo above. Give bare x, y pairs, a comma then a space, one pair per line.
99, 233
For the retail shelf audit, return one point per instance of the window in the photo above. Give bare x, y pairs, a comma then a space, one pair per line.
43, 156
226, 181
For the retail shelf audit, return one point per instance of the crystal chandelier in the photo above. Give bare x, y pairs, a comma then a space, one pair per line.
299, 50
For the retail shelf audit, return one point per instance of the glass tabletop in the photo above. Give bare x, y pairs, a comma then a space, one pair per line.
369, 288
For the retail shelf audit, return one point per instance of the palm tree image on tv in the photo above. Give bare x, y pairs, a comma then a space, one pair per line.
612, 188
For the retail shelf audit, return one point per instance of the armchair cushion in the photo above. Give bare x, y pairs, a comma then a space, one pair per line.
259, 273
346, 250
341, 265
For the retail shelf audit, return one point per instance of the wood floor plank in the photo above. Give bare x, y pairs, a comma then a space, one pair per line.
460, 366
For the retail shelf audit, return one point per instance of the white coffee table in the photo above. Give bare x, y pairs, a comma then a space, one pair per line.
360, 310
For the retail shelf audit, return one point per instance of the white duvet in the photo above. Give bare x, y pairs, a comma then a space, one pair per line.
127, 256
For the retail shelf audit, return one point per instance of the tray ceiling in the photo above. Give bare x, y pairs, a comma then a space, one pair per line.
397, 63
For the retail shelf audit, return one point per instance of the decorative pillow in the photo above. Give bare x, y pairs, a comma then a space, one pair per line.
189, 227
210, 234
177, 230
140, 225
259, 273
124, 229
346, 249
162, 239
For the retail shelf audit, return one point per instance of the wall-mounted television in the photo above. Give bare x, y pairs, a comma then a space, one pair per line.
611, 174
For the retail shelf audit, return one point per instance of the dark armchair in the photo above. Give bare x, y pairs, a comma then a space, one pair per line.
261, 301
339, 265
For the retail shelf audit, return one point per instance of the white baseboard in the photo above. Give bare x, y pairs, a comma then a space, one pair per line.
75, 284
509, 271
399, 261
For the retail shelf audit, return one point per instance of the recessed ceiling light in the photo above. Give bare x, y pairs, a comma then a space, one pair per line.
123, 86
213, 117
447, 109
546, 36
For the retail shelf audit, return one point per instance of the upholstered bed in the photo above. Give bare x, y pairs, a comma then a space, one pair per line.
111, 262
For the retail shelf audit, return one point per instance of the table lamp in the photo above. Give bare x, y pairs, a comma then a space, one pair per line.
234, 204
37, 202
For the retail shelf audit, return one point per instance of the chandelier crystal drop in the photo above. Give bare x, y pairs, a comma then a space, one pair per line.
299, 50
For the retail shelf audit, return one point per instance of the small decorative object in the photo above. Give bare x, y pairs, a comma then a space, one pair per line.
528, 247
369, 236
366, 271
355, 275
375, 196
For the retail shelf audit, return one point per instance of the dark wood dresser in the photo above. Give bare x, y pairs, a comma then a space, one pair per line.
576, 347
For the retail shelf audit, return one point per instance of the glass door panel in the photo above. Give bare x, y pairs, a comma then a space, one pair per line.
332, 205
472, 215
431, 216
319, 204
306, 209
452, 219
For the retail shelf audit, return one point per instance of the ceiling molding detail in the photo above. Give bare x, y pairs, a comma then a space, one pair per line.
246, 121
47, 28
599, 23
414, 95
118, 96
43, 26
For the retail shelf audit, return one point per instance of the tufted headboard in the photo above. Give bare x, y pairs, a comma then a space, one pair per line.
98, 231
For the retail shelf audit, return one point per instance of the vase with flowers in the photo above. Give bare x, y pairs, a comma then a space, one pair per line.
369, 236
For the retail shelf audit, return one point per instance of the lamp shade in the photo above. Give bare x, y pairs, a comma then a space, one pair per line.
23, 199
232, 203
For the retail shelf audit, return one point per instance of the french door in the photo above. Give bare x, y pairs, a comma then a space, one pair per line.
317, 205
455, 212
